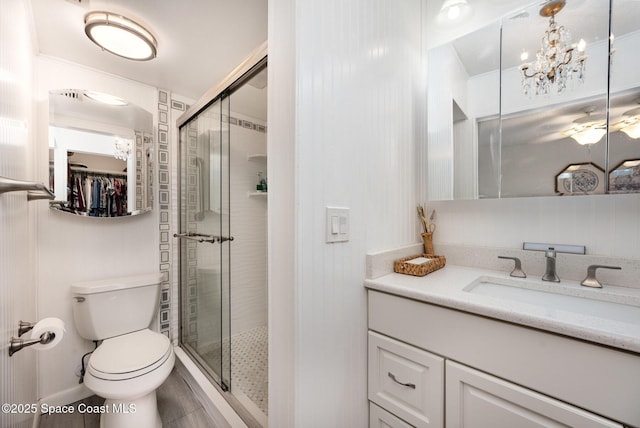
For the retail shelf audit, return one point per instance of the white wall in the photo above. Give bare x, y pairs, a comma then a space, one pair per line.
346, 104
72, 248
607, 224
17, 258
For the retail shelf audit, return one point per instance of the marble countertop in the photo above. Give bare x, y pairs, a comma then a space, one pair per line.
446, 287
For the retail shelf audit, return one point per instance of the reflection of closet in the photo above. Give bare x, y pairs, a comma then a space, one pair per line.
97, 193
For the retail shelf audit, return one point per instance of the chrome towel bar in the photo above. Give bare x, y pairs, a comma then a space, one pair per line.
199, 237
11, 185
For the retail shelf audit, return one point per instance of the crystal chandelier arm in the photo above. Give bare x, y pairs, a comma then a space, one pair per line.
568, 56
525, 67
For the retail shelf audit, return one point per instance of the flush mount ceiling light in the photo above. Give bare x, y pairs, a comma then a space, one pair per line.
120, 36
105, 98
454, 10
557, 60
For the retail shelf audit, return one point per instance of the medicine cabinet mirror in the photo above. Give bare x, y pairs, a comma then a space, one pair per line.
100, 154
496, 128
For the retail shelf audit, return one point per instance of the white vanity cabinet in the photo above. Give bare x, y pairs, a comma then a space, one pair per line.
406, 380
430, 366
476, 399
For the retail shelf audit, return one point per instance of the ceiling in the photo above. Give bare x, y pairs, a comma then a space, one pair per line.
199, 41
480, 52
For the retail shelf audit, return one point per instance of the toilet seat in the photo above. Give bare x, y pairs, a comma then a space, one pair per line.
130, 355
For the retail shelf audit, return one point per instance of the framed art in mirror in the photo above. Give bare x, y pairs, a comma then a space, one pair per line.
625, 177
580, 179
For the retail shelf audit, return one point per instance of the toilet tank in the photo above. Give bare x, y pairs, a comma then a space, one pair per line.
115, 306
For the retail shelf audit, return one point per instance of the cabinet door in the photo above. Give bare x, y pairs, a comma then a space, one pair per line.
380, 418
406, 381
476, 399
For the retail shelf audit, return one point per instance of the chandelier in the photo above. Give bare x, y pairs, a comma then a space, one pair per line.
122, 149
557, 60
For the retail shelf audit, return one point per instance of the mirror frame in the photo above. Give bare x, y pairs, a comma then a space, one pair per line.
79, 123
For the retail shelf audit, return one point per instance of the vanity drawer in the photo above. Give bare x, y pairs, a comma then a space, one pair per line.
380, 418
476, 399
406, 381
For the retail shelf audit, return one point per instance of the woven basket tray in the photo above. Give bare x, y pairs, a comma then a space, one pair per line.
434, 263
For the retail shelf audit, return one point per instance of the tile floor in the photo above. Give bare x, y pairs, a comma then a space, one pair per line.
178, 406
249, 363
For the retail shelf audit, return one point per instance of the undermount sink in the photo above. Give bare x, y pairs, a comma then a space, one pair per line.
570, 298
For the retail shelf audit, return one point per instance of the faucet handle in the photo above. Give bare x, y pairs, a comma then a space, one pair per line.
517, 269
591, 280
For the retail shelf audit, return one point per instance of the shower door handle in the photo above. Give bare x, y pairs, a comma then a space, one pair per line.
197, 237
222, 239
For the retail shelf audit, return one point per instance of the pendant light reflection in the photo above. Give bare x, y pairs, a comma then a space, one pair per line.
120, 35
589, 129
631, 124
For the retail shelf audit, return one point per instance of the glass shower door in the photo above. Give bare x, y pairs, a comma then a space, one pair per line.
204, 241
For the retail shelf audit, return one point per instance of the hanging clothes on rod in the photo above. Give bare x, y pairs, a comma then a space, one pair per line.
97, 194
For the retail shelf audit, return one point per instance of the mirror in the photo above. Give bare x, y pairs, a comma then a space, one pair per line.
494, 133
100, 154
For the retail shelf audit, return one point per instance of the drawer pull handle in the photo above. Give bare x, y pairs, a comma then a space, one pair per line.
393, 378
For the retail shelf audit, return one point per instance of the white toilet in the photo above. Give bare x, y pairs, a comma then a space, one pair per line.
132, 361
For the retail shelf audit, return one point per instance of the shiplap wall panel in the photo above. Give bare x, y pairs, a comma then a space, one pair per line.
357, 111
18, 383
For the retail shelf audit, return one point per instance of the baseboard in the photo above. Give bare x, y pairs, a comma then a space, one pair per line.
62, 398
68, 396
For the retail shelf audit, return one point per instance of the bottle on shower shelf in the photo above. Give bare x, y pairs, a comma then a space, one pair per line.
262, 183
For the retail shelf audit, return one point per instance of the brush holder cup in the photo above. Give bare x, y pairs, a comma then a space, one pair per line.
427, 239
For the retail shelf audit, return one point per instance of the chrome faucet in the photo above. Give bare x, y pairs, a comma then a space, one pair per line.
550, 251
591, 280
550, 273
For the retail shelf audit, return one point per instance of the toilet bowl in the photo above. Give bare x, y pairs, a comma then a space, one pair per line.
132, 361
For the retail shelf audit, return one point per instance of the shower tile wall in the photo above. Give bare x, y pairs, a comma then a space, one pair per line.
169, 109
164, 199
17, 277
248, 225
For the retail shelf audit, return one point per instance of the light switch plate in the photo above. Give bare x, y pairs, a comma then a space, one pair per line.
337, 229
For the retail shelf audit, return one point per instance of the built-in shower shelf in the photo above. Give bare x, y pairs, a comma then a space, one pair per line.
257, 157
257, 194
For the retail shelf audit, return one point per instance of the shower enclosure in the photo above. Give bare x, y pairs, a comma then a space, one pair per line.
223, 238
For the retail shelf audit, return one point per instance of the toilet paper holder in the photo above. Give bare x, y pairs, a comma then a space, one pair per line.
18, 344
23, 327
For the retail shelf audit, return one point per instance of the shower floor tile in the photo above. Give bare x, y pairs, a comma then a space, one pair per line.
249, 362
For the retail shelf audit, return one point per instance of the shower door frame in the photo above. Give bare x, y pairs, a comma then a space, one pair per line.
255, 62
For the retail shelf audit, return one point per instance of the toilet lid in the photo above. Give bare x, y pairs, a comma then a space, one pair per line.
130, 352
